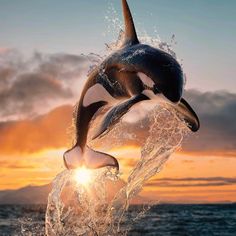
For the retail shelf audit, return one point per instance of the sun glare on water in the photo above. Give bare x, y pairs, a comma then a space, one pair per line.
83, 176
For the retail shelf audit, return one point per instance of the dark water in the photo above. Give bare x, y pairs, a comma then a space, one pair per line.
159, 220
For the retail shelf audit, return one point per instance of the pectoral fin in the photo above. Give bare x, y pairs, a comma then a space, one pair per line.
187, 113
115, 113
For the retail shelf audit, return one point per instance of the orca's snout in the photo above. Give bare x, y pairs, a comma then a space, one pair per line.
173, 94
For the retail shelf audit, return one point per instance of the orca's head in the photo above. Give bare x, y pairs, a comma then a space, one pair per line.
159, 66
164, 70
158, 70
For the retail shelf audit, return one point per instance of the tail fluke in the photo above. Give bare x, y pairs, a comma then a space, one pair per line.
75, 158
94, 159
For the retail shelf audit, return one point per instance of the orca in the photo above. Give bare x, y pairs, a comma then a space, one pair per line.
135, 72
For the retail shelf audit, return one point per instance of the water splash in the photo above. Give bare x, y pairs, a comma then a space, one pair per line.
75, 209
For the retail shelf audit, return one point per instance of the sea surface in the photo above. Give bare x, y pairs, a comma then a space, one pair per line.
163, 220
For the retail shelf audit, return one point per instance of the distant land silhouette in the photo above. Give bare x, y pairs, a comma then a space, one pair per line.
26, 195
38, 195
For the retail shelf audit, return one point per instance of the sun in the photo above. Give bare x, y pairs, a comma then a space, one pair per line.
83, 176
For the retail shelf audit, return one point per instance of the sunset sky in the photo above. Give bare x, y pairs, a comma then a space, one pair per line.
44, 59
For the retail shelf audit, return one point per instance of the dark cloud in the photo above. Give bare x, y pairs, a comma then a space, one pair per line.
40, 83
217, 113
192, 182
30, 93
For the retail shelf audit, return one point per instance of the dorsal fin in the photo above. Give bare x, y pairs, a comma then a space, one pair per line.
130, 32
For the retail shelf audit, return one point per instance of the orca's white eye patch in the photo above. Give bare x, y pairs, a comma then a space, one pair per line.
145, 79
97, 93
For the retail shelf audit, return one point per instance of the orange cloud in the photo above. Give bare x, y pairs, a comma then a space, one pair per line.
45, 132
15, 165
37, 169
